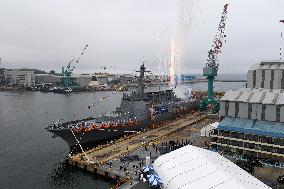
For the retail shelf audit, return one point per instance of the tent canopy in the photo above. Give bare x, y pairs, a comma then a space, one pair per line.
192, 167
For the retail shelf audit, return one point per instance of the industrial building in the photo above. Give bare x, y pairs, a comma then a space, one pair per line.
126, 78
104, 78
47, 78
2, 76
252, 119
19, 77
82, 80
246, 136
256, 104
267, 75
186, 78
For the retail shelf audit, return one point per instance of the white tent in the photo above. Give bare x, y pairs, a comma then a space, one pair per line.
196, 168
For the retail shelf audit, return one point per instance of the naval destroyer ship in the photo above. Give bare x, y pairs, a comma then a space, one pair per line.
138, 111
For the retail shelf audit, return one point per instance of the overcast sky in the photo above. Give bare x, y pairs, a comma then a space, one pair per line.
46, 34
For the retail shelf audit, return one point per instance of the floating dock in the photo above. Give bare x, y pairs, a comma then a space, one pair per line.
105, 160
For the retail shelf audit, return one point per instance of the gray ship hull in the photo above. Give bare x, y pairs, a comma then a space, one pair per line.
97, 135
105, 134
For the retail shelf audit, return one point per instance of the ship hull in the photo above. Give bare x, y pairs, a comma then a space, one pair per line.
97, 135
90, 138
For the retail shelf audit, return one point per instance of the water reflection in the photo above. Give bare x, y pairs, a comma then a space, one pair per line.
64, 175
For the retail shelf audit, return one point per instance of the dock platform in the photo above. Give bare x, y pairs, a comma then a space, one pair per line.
106, 160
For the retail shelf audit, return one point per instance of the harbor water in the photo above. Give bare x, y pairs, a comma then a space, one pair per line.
30, 157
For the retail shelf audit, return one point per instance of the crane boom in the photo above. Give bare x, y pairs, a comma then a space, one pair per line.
211, 68
67, 80
218, 40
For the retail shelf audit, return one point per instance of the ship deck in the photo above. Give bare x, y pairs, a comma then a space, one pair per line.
107, 160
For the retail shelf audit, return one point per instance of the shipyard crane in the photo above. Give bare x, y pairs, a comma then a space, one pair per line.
211, 68
66, 73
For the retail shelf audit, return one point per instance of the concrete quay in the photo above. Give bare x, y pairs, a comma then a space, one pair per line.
122, 159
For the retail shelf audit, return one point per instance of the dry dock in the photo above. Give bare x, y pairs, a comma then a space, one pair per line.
106, 160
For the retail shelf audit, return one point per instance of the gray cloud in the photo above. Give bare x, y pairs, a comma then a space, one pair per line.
46, 34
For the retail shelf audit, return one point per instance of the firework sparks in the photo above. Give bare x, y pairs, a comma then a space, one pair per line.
172, 56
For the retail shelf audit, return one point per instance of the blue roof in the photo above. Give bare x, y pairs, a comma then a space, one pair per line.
256, 127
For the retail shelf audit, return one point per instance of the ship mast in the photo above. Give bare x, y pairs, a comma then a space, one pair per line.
142, 72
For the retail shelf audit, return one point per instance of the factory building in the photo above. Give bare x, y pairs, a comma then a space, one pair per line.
186, 78
47, 78
252, 137
252, 119
267, 75
82, 80
104, 78
2, 76
256, 104
126, 78
19, 77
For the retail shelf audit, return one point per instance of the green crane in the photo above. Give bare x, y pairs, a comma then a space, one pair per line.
211, 69
66, 73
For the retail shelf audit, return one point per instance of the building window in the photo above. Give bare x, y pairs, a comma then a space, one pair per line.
254, 78
249, 110
272, 79
234, 134
249, 145
265, 139
282, 80
269, 140
236, 143
226, 133
262, 78
278, 113
249, 137
258, 147
254, 138
223, 141
276, 150
215, 132
226, 107
281, 150
214, 139
278, 141
263, 112
266, 148
236, 109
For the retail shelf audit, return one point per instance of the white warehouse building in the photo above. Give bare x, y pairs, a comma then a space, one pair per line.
267, 75
21, 77
252, 119
256, 104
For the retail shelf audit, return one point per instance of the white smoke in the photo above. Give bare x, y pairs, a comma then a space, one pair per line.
182, 91
172, 51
